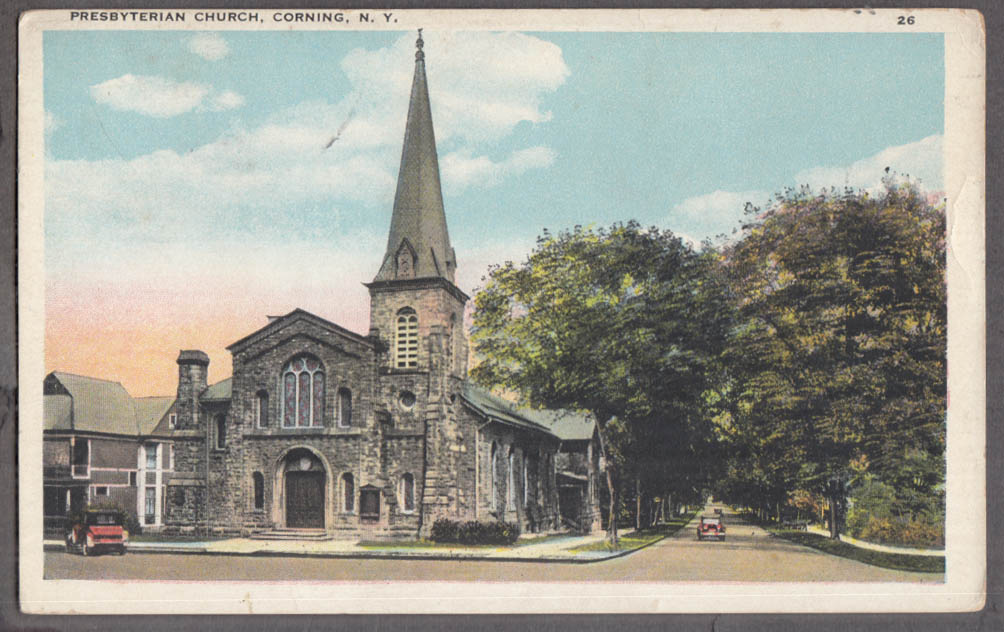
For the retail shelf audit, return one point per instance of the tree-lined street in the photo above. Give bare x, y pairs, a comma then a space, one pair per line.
748, 554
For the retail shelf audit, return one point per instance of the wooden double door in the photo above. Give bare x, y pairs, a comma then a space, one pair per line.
305, 500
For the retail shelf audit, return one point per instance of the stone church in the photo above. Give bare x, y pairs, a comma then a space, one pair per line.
375, 435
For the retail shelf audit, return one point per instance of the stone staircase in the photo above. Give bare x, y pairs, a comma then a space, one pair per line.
310, 535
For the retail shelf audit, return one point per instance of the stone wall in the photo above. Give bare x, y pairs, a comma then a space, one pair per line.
536, 503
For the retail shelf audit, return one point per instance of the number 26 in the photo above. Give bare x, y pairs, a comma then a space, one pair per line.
904, 20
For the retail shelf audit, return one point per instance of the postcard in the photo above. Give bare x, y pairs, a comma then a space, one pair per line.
502, 311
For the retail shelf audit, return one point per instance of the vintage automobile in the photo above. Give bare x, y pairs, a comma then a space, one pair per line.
711, 527
93, 531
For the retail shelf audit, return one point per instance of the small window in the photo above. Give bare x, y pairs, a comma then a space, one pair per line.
344, 408
132, 479
172, 421
259, 490
221, 432
150, 505
407, 493
406, 339
407, 400
101, 491
178, 498
369, 504
348, 493
511, 483
151, 456
496, 505
261, 409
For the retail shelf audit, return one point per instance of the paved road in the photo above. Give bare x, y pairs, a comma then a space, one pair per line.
748, 554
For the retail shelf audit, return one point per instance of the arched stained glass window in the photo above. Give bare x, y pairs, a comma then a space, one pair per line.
406, 339
303, 393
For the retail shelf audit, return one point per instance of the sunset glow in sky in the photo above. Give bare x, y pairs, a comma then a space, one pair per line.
193, 186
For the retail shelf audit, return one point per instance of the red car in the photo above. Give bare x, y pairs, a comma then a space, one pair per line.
711, 527
95, 531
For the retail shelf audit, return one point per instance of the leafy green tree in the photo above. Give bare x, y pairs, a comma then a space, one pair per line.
838, 357
620, 322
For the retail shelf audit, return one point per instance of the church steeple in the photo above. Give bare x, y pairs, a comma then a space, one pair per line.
418, 245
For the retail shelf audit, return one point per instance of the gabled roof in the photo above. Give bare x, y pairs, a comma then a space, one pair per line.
97, 405
567, 425
88, 404
222, 390
418, 222
149, 412
498, 409
297, 314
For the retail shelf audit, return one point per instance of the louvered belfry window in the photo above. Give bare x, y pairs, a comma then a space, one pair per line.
406, 339
303, 393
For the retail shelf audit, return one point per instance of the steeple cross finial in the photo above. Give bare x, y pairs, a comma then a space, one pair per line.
419, 55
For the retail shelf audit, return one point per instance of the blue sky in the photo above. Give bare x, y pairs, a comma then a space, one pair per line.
181, 161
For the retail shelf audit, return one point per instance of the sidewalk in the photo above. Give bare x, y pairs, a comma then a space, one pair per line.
557, 549
861, 544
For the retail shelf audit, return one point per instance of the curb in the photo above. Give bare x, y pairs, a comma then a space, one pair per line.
375, 555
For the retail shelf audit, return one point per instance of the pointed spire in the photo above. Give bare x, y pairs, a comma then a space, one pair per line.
418, 245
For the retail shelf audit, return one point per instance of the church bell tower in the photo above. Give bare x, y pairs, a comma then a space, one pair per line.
415, 306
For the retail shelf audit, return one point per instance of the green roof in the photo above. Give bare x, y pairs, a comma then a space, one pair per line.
88, 404
149, 412
98, 405
221, 390
567, 425
498, 409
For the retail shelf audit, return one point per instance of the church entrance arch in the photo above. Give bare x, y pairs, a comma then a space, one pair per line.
303, 479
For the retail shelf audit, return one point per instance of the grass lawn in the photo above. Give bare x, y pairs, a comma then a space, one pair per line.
639, 539
895, 561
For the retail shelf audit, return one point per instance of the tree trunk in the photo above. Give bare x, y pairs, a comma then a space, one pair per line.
611, 489
637, 503
834, 519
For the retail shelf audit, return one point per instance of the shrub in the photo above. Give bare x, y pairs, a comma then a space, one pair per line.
474, 532
905, 532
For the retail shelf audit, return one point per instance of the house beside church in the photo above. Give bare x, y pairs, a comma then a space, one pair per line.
325, 429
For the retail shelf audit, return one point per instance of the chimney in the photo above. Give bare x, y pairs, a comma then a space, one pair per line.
193, 367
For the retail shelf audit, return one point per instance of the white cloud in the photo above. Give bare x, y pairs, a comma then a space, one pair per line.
461, 170
209, 46
160, 97
290, 171
483, 84
921, 161
712, 214
226, 100
150, 95
719, 212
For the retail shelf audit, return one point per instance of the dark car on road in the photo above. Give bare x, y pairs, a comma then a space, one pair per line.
93, 531
711, 527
